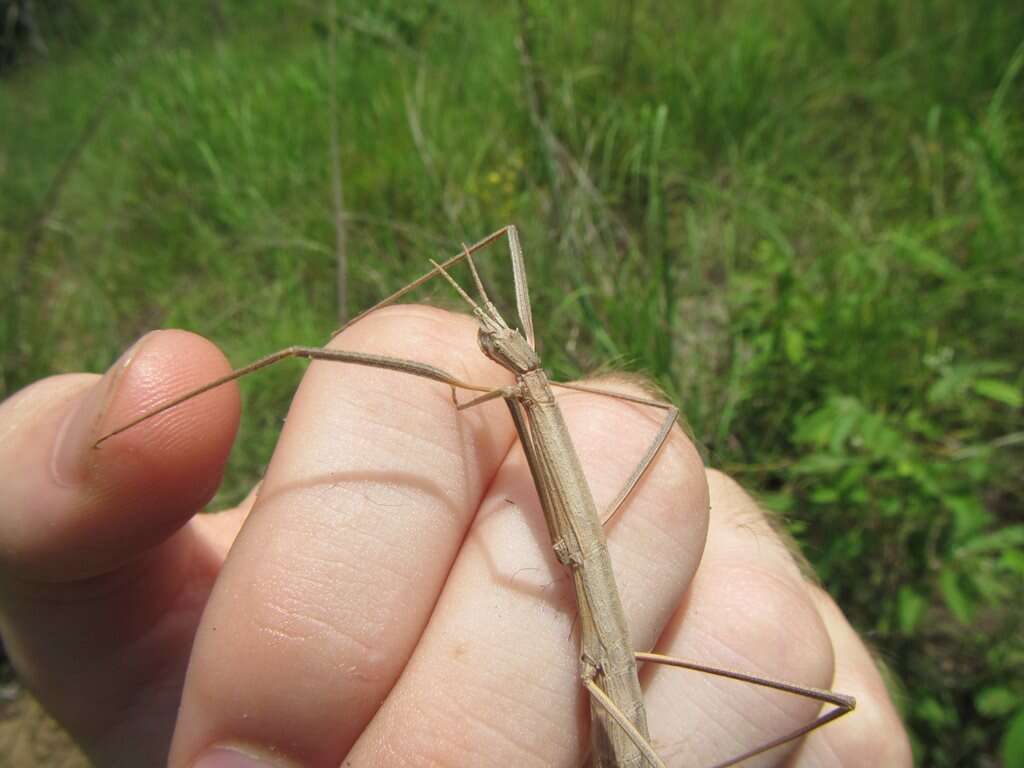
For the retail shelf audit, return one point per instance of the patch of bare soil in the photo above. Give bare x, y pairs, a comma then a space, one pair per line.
30, 737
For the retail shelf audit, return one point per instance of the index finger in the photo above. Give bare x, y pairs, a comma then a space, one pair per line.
337, 569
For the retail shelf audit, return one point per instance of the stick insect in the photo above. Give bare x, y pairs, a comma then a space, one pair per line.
619, 735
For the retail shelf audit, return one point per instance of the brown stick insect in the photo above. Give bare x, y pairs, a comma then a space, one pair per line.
619, 736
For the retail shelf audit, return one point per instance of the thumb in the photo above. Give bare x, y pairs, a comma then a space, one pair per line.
71, 511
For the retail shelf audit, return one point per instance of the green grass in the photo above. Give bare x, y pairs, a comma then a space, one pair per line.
803, 219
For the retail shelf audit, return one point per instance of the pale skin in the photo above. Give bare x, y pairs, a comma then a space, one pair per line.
391, 598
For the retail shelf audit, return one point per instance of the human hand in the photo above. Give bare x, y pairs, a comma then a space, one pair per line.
390, 597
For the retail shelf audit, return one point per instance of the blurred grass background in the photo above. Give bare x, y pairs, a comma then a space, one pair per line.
803, 219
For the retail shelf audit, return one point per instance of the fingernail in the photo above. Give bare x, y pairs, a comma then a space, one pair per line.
71, 454
229, 757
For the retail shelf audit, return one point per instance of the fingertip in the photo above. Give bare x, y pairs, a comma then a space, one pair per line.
873, 732
173, 462
72, 511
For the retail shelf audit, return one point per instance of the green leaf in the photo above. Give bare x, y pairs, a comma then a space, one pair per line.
937, 714
847, 420
911, 606
943, 390
997, 701
989, 586
969, 515
793, 343
1013, 560
1012, 747
1008, 538
957, 600
820, 463
1000, 391
777, 502
925, 258
825, 496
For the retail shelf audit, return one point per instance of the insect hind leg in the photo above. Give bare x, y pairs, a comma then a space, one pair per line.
842, 703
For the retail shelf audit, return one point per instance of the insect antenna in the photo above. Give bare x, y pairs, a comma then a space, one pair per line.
477, 309
488, 304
